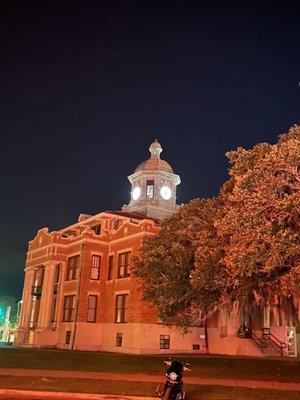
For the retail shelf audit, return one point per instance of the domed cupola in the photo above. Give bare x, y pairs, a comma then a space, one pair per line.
154, 162
153, 186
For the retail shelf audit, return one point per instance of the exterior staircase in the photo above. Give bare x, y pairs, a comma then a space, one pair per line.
269, 344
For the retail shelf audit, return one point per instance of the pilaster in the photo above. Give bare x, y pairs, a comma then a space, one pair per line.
27, 298
47, 296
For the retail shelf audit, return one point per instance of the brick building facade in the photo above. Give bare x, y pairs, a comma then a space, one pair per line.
79, 292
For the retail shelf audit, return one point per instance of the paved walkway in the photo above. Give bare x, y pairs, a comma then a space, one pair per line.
150, 378
7, 394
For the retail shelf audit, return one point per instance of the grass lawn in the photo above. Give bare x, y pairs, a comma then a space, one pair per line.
140, 389
203, 366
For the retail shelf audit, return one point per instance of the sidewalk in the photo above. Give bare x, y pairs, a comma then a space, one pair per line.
194, 380
31, 395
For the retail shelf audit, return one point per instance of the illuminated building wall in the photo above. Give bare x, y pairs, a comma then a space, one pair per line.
79, 292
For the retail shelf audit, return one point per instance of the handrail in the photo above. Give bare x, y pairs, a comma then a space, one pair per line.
280, 344
258, 341
272, 338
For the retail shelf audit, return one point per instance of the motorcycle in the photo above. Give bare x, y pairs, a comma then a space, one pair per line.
173, 387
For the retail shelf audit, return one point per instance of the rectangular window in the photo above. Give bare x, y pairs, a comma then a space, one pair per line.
69, 309
196, 346
92, 308
164, 341
150, 189
57, 275
56, 279
39, 277
110, 268
119, 339
115, 224
121, 308
72, 267
53, 309
97, 229
95, 267
68, 337
123, 265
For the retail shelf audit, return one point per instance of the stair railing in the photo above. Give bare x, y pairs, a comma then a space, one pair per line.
259, 342
266, 333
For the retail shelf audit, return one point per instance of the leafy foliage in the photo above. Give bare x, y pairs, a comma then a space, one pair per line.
262, 220
242, 245
168, 264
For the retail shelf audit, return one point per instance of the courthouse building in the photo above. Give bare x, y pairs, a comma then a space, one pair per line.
79, 293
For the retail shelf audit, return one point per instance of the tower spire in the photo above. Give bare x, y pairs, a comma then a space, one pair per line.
155, 149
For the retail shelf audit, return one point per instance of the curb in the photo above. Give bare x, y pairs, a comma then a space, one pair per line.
65, 395
288, 386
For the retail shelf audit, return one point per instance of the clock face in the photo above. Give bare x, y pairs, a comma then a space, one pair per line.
165, 192
136, 193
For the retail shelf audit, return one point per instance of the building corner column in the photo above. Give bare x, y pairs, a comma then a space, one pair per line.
26, 307
47, 297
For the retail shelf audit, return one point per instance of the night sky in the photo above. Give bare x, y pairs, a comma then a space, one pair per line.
86, 86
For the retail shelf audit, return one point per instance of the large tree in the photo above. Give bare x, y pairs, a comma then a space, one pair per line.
242, 245
176, 276
262, 220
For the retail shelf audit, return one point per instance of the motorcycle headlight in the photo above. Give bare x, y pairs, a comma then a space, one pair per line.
173, 376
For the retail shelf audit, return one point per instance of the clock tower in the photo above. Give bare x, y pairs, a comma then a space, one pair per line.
153, 186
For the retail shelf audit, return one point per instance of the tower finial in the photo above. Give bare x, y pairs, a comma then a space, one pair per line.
155, 149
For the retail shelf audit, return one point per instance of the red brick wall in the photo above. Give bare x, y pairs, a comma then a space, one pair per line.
55, 247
